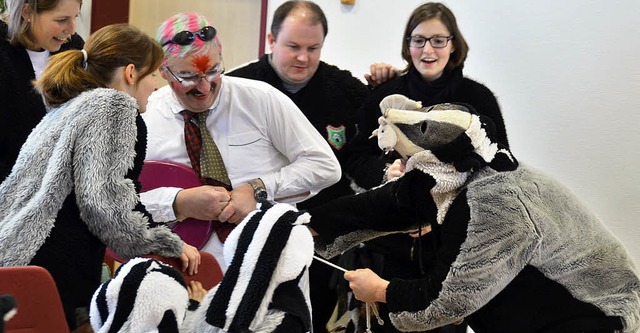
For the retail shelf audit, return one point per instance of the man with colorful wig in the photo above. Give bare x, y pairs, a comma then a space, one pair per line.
269, 149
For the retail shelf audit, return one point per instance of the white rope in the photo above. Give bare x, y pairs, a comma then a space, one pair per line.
329, 263
369, 306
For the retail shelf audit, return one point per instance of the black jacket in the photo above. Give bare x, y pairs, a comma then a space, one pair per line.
22, 107
330, 101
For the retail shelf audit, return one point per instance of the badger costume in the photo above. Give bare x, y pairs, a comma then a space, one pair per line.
72, 191
515, 250
263, 291
144, 295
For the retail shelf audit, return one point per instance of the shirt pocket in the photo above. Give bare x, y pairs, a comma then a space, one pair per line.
247, 151
244, 139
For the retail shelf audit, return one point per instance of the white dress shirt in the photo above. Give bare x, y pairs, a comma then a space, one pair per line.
260, 133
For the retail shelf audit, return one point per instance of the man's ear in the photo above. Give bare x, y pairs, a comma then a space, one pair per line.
272, 40
163, 73
130, 74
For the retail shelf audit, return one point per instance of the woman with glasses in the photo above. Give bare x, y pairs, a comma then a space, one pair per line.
73, 189
30, 31
435, 51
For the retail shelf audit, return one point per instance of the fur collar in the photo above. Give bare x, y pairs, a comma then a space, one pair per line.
448, 179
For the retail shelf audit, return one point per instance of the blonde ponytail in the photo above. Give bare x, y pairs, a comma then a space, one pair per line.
65, 78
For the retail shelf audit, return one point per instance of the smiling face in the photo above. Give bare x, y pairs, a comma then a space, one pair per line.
296, 50
50, 29
143, 89
200, 95
429, 61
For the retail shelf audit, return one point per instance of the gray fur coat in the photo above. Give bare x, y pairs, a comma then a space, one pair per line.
517, 218
85, 146
500, 230
524, 217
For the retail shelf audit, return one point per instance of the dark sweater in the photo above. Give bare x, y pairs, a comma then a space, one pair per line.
22, 106
330, 101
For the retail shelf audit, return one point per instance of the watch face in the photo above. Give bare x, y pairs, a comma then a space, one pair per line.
261, 195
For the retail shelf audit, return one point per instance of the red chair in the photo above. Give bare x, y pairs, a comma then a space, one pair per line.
38, 302
209, 272
162, 173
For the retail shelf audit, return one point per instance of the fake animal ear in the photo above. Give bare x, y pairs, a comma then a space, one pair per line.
399, 102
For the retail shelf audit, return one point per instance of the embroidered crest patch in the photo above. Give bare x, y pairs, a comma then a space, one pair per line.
336, 136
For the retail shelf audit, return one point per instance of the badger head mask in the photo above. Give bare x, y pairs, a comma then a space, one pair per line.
449, 133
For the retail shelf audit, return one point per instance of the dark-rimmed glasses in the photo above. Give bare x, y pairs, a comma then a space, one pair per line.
189, 79
187, 37
437, 42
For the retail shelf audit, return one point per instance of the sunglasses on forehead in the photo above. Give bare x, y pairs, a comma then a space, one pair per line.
187, 37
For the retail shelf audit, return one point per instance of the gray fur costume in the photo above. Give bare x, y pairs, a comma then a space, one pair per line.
73, 190
85, 146
515, 250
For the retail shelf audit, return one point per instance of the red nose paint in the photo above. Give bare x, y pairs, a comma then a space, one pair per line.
201, 63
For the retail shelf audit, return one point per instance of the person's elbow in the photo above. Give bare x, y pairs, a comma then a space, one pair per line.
335, 172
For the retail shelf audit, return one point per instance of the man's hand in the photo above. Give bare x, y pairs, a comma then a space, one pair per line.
202, 202
241, 204
380, 73
190, 258
367, 286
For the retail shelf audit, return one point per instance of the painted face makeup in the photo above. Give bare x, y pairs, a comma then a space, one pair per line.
196, 80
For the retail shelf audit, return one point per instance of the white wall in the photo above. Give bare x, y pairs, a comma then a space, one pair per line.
566, 74
83, 24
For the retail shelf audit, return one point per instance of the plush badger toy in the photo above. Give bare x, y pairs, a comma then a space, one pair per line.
264, 289
144, 295
515, 251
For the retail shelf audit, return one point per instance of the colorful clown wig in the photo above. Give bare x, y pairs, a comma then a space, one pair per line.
188, 21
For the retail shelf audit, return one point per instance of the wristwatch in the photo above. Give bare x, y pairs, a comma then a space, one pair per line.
259, 192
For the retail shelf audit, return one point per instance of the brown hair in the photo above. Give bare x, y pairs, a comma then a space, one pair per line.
20, 29
436, 10
281, 13
67, 74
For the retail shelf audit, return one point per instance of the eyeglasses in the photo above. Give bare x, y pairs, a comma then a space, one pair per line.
189, 79
437, 42
187, 37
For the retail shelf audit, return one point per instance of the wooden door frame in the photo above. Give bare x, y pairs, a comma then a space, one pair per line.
263, 28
